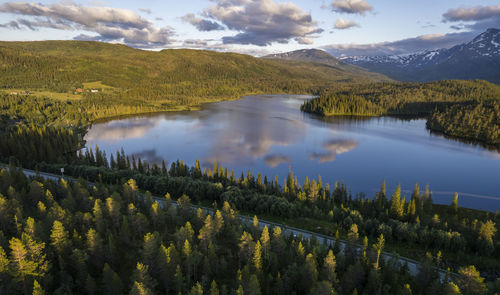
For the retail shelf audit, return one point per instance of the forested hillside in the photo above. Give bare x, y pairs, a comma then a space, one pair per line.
63, 237
184, 76
463, 109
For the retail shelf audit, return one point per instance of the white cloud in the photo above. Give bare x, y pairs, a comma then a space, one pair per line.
475, 13
110, 24
202, 24
262, 22
404, 46
343, 24
351, 6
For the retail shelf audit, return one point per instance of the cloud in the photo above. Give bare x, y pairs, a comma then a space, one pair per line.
11, 25
262, 22
120, 130
149, 156
275, 160
469, 22
145, 10
351, 6
343, 24
202, 24
404, 46
110, 24
333, 148
475, 13
195, 42
474, 19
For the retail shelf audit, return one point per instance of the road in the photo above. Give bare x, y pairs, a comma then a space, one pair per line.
413, 265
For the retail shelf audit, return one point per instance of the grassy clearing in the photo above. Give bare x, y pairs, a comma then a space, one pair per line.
98, 85
48, 94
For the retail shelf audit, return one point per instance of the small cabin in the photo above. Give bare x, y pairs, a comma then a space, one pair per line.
79, 90
94, 90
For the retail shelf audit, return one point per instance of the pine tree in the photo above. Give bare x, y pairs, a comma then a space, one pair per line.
59, 237
178, 279
309, 272
396, 209
329, 266
196, 289
141, 275
265, 242
140, 289
27, 259
150, 248
454, 204
470, 281
37, 289
451, 289
486, 233
4, 262
213, 289
30, 227
378, 247
207, 232
246, 246
255, 222
257, 256
277, 242
197, 169
218, 222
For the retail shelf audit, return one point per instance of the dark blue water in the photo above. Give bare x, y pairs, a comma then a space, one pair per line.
269, 134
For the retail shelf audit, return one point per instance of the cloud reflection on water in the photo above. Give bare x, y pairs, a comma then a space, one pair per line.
275, 160
333, 148
121, 129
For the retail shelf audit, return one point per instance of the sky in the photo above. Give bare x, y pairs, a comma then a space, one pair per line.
256, 27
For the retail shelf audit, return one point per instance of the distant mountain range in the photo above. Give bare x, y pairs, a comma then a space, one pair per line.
308, 55
321, 57
477, 59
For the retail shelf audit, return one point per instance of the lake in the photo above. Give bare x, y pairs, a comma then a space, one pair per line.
269, 134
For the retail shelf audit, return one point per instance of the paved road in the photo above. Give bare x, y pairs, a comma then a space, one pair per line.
413, 265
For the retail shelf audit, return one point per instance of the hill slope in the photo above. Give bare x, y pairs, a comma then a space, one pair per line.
63, 66
322, 57
477, 59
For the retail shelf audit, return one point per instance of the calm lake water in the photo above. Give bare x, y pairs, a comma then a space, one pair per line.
270, 135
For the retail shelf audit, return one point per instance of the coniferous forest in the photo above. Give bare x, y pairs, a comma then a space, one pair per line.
462, 109
120, 225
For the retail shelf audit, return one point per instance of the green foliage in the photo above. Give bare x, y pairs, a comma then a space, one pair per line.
478, 121
470, 281
177, 76
463, 109
109, 265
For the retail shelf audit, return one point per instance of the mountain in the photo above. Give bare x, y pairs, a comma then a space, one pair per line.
307, 55
477, 59
173, 74
321, 57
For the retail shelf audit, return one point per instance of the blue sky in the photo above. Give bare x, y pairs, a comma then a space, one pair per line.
342, 27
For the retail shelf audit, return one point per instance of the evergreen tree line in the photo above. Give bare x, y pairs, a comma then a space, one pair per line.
72, 238
476, 121
462, 235
180, 76
33, 144
463, 109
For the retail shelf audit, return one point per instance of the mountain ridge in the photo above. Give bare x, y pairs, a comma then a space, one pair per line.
318, 56
476, 59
